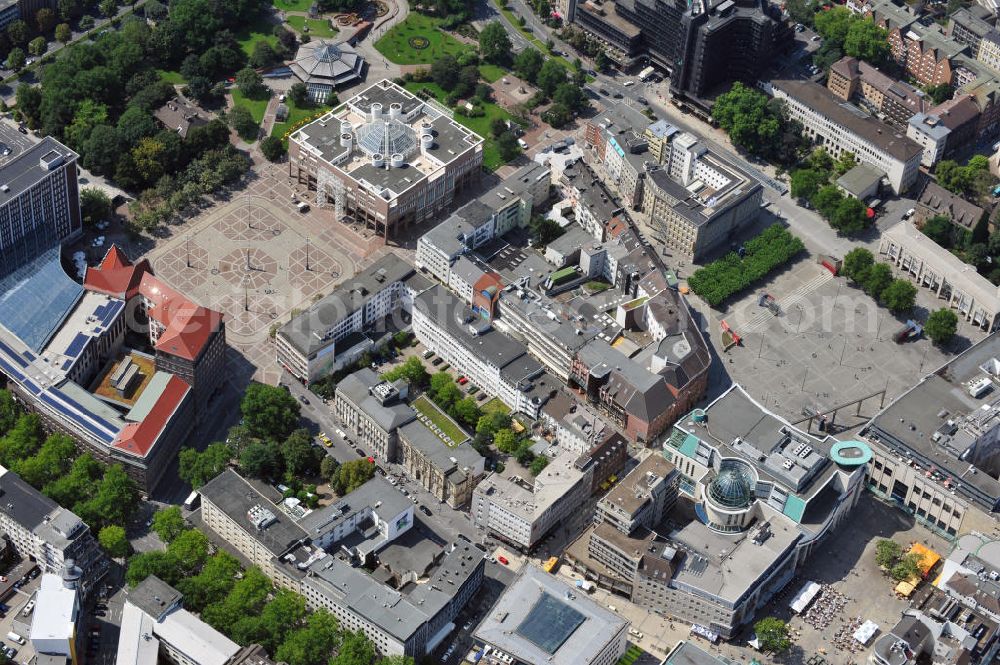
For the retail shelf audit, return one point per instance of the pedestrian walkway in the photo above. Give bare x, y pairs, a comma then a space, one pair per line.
762, 319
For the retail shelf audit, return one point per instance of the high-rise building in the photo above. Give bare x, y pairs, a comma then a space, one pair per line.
39, 203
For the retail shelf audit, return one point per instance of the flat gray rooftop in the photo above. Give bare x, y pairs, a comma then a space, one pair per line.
26, 169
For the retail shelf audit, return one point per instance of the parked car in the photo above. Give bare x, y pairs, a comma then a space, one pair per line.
425, 510
503, 560
303, 399
462, 380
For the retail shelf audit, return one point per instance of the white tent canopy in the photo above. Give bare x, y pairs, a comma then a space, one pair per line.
866, 632
805, 596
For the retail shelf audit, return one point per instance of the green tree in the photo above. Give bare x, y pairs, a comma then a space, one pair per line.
467, 412
269, 412
250, 84
16, 59
214, 581
189, 550
907, 567
772, 634
887, 552
826, 200
29, 101
262, 459
899, 296
877, 280
867, 41
328, 468
744, 115
601, 61
313, 643
444, 72
136, 124
494, 44
37, 46
108, 7
355, 649
939, 229
45, 19
806, 182
301, 457
263, 55
273, 148
352, 475
846, 162
856, 264
282, 614
168, 523
197, 468
64, 33
9, 411
538, 464
939, 93
505, 440
142, 565
247, 598
95, 205
114, 541
801, 11
18, 33
850, 215
22, 440
114, 500
941, 326
242, 121
52, 460
527, 63
299, 95
833, 25
507, 146
101, 150
89, 114
551, 75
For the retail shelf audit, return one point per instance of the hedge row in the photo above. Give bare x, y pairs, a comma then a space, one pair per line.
770, 250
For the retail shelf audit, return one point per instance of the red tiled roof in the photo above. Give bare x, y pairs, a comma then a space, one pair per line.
138, 438
188, 326
116, 276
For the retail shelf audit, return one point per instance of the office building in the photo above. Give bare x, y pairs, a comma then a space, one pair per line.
968, 25
619, 139
240, 513
765, 494
155, 628
622, 40
39, 200
335, 331
373, 410
841, 128
933, 267
698, 202
52, 536
54, 620
449, 473
521, 628
411, 621
934, 449
642, 498
505, 207
521, 512
491, 360
385, 157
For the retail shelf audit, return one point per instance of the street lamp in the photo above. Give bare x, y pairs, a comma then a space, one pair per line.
307, 254
187, 242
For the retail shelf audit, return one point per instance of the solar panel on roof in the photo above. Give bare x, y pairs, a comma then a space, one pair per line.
66, 365
13, 355
77, 345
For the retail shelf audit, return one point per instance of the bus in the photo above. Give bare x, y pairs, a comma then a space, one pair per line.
192, 501
646, 73
551, 564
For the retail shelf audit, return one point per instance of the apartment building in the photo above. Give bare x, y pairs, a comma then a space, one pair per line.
39, 202
838, 129
895, 102
53, 633
449, 473
328, 336
52, 536
698, 201
936, 201
520, 629
240, 513
968, 25
373, 410
957, 284
520, 512
931, 134
490, 359
385, 157
505, 207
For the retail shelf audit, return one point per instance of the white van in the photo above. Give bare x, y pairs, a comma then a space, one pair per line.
523, 144
14, 637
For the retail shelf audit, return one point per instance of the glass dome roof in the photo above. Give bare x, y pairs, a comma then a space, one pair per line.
733, 486
329, 53
386, 137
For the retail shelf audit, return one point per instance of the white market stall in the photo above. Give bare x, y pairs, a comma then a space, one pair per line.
805, 596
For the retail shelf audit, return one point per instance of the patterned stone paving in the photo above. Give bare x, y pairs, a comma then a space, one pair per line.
251, 267
248, 313
263, 226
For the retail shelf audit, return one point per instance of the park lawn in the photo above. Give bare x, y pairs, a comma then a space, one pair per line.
440, 419
258, 31
481, 125
318, 27
293, 5
396, 48
295, 116
255, 106
495, 406
491, 73
173, 78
